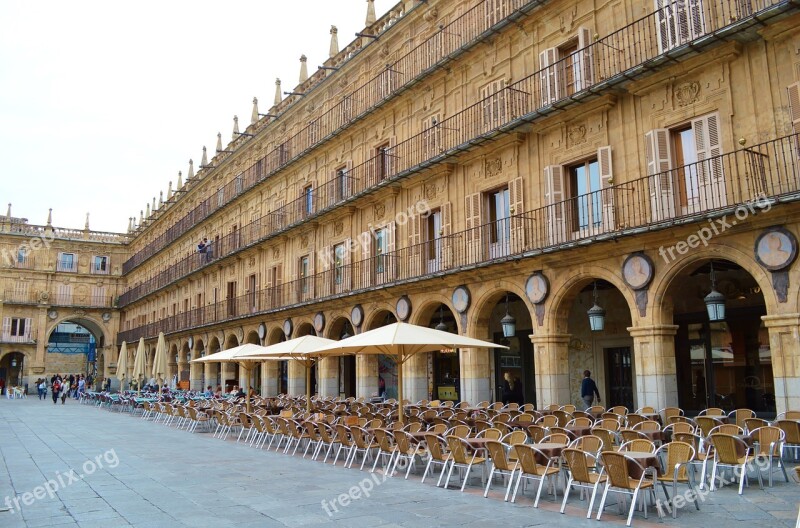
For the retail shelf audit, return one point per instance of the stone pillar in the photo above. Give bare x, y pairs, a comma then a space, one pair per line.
209, 374
270, 370
296, 382
366, 376
196, 376
551, 365
415, 378
784, 333
476, 385
328, 376
229, 372
654, 365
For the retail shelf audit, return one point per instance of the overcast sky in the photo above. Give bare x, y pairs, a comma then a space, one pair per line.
102, 103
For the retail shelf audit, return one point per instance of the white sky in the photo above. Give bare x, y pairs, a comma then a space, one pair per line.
102, 102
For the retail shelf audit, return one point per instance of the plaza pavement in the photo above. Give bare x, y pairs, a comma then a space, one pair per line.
137, 473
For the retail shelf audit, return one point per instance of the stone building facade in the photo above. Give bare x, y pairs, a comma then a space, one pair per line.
465, 161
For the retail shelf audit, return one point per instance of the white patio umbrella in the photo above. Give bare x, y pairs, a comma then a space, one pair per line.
160, 362
139, 365
236, 355
122, 364
401, 341
302, 349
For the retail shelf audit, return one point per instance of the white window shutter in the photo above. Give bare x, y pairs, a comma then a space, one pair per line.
473, 235
709, 168
391, 263
554, 195
447, 230
28, 322
367, 260
658, 151
415, 227
606, 192
347, 263
584, 76
6, 327
516, 220
794, 113
666, 28
328, 263
548, 76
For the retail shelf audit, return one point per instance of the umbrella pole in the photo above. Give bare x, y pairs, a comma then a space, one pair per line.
400, 391
308, 387
247, 384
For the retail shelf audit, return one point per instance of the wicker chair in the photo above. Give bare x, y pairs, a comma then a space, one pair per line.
363, 443
491, 433
327, 437
297, 435
642, 445
536, 433
712, 411
408, 450
548, 420
563, 417
634, 419
531, 469
739, 416
608, 437
731, 451
791, 430
646, 410
706, 424
612, 424
619, 481
569, 408
500, 465
557, 438
461, 431
621, 410
580, 421
386, 448
596, 409
648, 425
461, 456
345, 443
770, 447
588, 443
582, 475
525, 417
437, 454
751, 424
679, 456
731, 429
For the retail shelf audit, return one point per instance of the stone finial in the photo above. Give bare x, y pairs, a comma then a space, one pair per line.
130, 221
153, 209
219, 141
371, 18
278, 94
334, 50
8, 213
235, 127
148, 209
204, 160
86, 225
50, 216
169, 189
160, 198
141, 217
303, 69
190, 174
254, 113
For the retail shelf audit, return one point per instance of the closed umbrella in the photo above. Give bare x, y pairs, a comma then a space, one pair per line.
302, 349
160, 361
401, 341
122, 364
139, 365
236, 355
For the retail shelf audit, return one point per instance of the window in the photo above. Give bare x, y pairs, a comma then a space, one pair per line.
308, 200
305, 274
387, 82
339, 254
231, 298
342, 184
21, 289
499, 227
432, 137
16, 329
583, 190
100, 265
220, 197
345, 110
67, 262
235, 236
23, 258
259, 168
494, 12
686, 168
566, 69
383, 164
99, 296
313, 132
433, 239
679, 21
380, 250
493, 105
252, 293
238, 183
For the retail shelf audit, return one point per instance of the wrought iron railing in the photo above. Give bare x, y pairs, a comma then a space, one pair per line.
738, 184
452, 40
627, 53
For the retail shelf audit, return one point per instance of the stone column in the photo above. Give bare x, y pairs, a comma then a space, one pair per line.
196, 376
296, 379
784, 333
366, 376
270, 370
415, 378
476, 385
209, 374
328, 375
229, 372
654, 365
551, 366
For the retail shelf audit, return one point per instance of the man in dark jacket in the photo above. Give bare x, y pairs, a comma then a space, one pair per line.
589, 389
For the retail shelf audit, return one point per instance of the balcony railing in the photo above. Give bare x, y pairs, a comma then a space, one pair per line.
625, 54
453, 39
70, 266
752, 180
73, 299
19, 296
46, 233
27, 337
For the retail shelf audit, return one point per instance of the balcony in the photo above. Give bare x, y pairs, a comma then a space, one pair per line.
754, 179
67, 266
454, 39
601, 65
20, 296
85, 301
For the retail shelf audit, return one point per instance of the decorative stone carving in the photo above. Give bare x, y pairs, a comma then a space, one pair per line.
430, 15
687, 93
379, 210
576, 134
276, 253
304, 240
252, 261
430, 191
338, 228
494, 167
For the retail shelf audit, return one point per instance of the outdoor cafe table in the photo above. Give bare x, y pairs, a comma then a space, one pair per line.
577, 431
549, 449
654, 436
656, 417
645, 459
517, 424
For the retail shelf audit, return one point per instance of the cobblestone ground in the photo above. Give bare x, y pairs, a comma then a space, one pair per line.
109, 469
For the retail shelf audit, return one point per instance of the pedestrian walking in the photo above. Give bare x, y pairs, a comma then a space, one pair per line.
56, 388
589, 389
